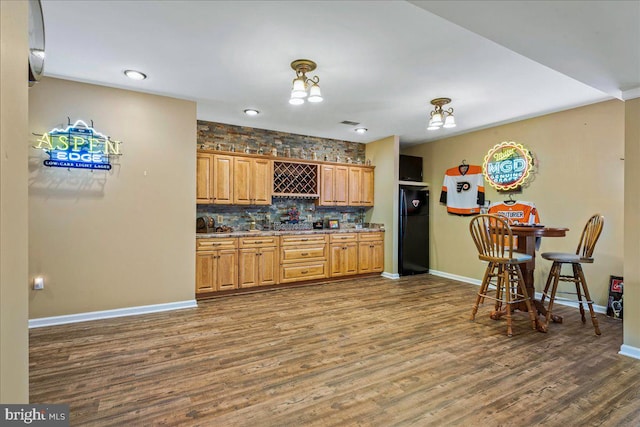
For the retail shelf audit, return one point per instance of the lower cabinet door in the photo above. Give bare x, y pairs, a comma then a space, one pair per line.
344, 259
227, 269
204, 272
268, 266
248, 267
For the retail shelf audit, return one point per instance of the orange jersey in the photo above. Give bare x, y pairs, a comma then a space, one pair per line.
516, 212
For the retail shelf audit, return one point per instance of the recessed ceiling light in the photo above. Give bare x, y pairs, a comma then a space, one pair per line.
135, 75
251, 112
361, 130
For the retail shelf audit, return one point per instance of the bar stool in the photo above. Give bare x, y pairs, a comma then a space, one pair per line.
494, 240
584, 254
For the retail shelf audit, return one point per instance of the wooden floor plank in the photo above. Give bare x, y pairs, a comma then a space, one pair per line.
373, 352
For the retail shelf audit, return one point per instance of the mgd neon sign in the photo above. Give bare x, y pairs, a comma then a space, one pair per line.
507, 165
79, 146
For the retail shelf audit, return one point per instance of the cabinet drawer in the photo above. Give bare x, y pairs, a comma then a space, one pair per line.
221, 243
303, 252
308, 271
371, 237
258, 241
303, 239
343, 237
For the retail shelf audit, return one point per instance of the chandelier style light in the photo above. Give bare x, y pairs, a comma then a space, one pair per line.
439, 117
303, 86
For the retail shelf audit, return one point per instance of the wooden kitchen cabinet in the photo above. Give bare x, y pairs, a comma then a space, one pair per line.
334, 185
222, 179
214, 179
253, 181
258, 261
204, 178
360, 186
370, 252
303, 257
216, 264
343, 253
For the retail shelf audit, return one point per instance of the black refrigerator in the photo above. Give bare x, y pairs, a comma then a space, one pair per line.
413, 248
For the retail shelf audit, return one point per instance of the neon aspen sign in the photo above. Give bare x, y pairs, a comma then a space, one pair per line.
507, 166
79, 146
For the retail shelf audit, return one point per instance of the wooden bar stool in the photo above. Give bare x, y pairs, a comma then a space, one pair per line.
494, 240
584, 254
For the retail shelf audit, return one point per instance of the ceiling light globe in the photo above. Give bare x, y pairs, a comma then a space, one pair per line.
314, 93
436, 120
299, 90
296, 101
449, 122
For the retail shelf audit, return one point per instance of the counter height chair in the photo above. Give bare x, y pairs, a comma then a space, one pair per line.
494, 240
584, 254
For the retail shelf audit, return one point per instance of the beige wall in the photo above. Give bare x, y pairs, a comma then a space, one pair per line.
14, 338
124, 238
384, 155
632, 225
580, 172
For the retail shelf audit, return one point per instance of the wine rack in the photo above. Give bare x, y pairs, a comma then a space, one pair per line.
293, 179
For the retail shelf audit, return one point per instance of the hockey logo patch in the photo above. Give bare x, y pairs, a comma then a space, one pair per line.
463, 186
415, 203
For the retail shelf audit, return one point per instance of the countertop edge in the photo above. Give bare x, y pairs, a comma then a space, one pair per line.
286, 232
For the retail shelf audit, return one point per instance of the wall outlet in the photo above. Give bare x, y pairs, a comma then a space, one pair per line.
309, 217
345, 217
38, 283
219, 219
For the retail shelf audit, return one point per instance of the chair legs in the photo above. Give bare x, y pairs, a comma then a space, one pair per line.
510, 289
578, 279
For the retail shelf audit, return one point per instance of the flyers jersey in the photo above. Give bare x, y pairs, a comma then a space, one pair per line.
463, 190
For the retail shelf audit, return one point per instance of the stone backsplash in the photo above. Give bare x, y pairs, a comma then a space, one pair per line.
266, 217
220, 136
225, 137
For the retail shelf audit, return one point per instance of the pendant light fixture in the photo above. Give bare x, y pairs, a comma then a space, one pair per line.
440, 118
303, 86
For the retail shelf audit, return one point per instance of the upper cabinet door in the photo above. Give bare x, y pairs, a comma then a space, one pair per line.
341, 186
355, 186
366, 187
204, 178
262, 181
326, 185
242, 181
222, 179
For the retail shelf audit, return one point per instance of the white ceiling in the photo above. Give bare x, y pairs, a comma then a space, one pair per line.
379, 62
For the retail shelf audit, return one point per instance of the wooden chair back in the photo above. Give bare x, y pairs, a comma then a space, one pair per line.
493, 237
590, 236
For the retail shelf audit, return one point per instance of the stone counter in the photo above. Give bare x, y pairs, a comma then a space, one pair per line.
288, 232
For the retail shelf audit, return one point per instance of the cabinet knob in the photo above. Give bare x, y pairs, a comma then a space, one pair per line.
304, 271
304, 254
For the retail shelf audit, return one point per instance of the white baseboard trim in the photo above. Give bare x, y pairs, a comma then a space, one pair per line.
455, 277
627, 350
597, 308
108, 314
390, 275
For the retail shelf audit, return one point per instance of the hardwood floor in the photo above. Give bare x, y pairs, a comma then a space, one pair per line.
373, 352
